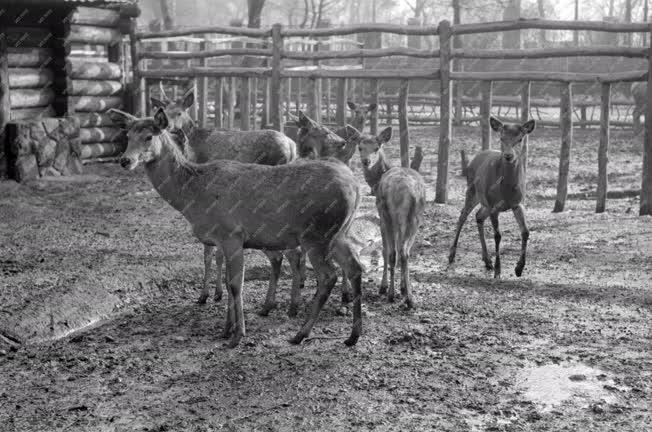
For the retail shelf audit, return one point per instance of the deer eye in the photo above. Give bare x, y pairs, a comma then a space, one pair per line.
148, 138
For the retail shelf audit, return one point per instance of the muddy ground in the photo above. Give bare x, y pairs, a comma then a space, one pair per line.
565, 347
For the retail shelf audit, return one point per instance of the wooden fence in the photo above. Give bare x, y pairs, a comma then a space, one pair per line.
274, 72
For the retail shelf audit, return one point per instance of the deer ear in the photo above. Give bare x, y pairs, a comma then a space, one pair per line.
161, 119
349, 133
385, 135
372, 107
496, 124
157, 103
305, 121
528, 126
352, 105
188, 100
121, 118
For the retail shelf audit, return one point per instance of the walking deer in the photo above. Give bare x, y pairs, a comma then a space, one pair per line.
360, 114
237, 205
267, 147
400, 200
496, 180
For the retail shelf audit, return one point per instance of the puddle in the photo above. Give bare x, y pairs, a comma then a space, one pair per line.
576, 384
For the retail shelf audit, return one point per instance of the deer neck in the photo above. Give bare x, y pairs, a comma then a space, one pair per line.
374, 173
171, 174
513, 175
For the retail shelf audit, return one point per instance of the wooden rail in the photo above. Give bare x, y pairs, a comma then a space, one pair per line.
539, 24
596, 51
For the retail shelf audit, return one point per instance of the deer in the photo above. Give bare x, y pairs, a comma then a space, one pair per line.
239, 205
315, 140
360, 113
639, 93
400, 200
496, 180
267, 147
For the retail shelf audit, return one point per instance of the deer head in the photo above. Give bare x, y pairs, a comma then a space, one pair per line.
177, 111
360, 114
315, 140
370, 146
511, 137
143, 136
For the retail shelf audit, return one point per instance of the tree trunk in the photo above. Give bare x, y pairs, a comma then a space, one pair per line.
512, 39
542, 33
255, 12
169, 10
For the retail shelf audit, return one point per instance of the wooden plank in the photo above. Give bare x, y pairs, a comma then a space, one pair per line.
29, 57
566, 122
186, 55
363, 28
101, 134
373, 121
603, 149
340, 101
445, 129
30, 77
219, 103
550, 76
93, 35
94, 87
232, 31
216, 72
84, 69
275, 81
202, 92
29, 98
96, 16
403, 129
543, 53
541, 24
360, 54
485, 112
645, 207
245, 104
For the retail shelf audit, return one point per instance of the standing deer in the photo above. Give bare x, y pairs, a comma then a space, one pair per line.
496, 180
400, 200
639, 93
266, 147
237, 205
360, 113
317, 141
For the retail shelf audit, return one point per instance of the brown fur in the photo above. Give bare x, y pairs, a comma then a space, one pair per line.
400, 200
496, 180
360, 114
238, 205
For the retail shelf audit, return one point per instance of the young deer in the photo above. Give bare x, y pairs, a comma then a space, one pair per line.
400, 199
238, 205
360, 114
267, 147
496, 180
317, 141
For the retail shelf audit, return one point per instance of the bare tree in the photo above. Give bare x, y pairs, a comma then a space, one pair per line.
255, 12
418, 7
168, 11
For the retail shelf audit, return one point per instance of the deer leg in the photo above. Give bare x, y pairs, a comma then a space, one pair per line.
383, 283
295, 257
219, 260
276, 260
302, 268
326, 279
497, 237
346, 287
469, 203
480, 217
405, 277
519, 215
349, 261
235, 269
208, 273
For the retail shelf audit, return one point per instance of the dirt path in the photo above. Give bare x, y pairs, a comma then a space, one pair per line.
565, 347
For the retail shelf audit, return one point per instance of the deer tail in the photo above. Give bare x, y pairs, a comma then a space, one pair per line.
465, 163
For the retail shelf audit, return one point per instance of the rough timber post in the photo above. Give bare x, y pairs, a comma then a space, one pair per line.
525, 114
603, 149
485, 112
275, 81
202, 90
403, 130
340, 101
646, 183
441, 185
566, 120
373, 122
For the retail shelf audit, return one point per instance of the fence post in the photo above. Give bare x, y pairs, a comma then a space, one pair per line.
603, 149
232, 97
245, 103
313, 99
134, 46
646, 182
275, 82
340, 100
485, 112
441, 185
525, 115
566, 120
373, 122
403, 130
254, 105
219, 103
202, 90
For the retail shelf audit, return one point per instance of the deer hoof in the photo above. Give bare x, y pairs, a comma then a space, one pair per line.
488, 265
519, 269
390, 297
352, 340
408, 304
226, 333
218, 297
202, 299
346, 297
296, 340
497, 275
235, 341
451, 258
266, 309
383, 290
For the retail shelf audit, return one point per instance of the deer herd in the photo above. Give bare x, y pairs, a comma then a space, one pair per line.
262, 190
